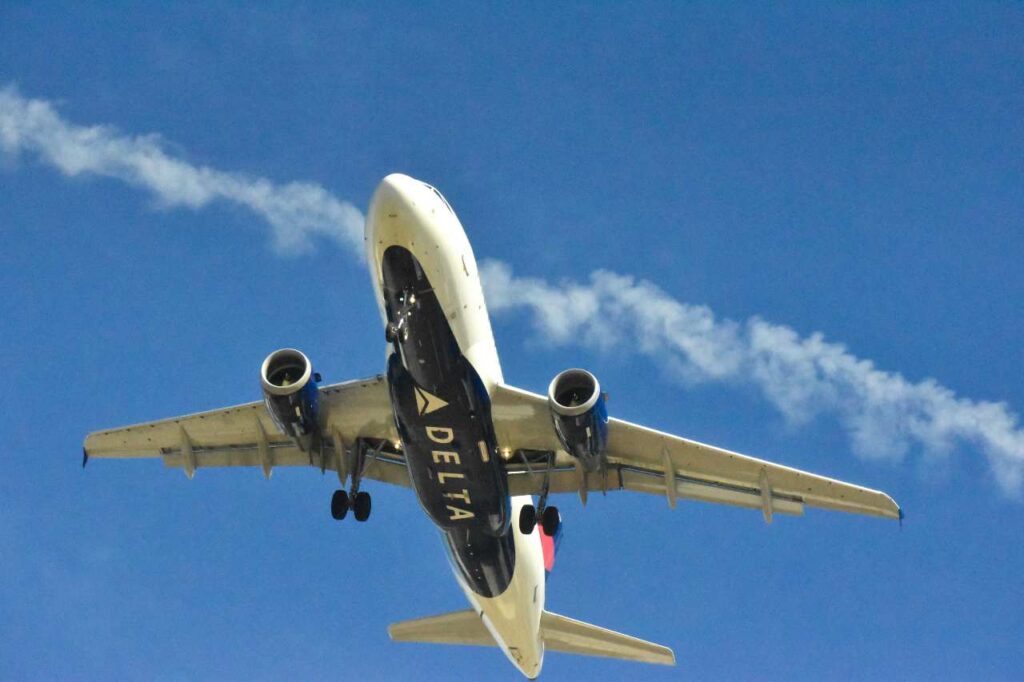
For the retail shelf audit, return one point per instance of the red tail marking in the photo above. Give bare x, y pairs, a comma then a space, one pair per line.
548, 545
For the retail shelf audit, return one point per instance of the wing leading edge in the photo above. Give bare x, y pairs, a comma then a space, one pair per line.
650, 461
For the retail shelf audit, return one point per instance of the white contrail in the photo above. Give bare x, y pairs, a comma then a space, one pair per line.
296, 211
884, 413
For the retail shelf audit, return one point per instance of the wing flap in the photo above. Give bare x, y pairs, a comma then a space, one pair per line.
567, 479
385, 466
656, 483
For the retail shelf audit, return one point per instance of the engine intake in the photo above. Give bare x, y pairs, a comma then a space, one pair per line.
579, 415
291, 394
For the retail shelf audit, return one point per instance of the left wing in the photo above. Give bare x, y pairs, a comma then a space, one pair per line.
649, 461
245, 435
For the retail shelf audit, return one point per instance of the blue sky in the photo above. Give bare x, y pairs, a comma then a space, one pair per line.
853, 172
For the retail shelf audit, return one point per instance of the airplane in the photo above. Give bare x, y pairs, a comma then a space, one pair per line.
475, 450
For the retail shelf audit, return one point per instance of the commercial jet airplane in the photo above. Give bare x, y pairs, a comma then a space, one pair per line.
474, 449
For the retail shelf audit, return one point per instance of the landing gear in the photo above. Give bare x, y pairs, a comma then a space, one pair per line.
361, 506
550, 521
549, 518
399, 329
527, 519
359, 502
396, 331
339, 505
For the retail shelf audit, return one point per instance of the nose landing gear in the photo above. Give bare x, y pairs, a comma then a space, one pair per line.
399, 328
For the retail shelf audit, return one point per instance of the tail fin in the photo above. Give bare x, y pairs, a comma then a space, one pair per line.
560, 634
576, 637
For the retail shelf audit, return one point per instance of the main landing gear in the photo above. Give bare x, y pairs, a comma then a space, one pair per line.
359, 502
550, 519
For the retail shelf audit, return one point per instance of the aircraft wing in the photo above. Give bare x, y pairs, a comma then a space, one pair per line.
245, 435
649, 461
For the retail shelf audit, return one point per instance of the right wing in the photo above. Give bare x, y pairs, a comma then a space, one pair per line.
245, 435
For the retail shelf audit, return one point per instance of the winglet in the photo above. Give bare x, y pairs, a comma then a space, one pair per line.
85, 457
901, 517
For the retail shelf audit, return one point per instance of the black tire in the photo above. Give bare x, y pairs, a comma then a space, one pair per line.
527, 519
389, 333
339, 504
361, 506
550, 521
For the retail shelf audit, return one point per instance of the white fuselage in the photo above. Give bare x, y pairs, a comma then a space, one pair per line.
408, 213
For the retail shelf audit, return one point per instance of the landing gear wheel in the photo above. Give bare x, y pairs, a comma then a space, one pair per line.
339, 504
527, 519
550, 521
389, 333
361, 506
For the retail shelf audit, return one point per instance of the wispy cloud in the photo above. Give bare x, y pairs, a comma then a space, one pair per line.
297, 212
884, 414
803, 377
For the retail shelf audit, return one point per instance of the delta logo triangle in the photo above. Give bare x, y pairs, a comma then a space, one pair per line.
427, 402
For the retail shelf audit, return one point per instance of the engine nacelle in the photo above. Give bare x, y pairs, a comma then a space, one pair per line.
580, 416
291, 394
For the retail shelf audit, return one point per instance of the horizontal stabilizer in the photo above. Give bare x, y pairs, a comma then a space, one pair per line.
457, 627
560, 634
575, 637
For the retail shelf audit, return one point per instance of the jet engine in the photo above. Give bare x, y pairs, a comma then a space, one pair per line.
291, 393
580, 416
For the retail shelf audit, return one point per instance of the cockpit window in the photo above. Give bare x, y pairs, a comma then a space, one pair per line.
441, 197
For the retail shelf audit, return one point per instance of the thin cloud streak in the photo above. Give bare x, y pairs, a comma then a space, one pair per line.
297, 212
884, 414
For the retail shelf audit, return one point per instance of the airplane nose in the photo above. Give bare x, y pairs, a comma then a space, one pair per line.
395, 188
391, 198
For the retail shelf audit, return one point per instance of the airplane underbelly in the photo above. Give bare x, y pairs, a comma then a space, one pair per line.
443, 415
450, 450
